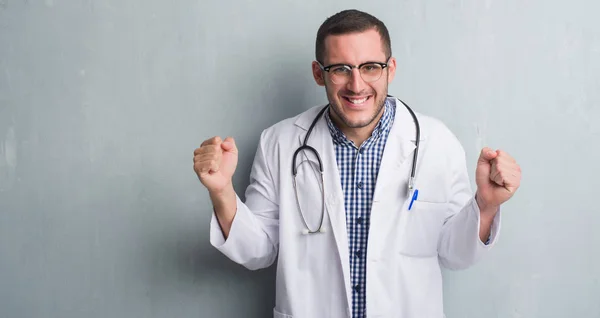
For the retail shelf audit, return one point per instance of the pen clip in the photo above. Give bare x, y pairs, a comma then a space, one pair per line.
413, 199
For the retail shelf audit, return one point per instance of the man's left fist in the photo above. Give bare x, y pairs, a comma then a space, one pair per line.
498, 176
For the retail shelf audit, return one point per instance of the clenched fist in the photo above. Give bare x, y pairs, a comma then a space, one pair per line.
215, 162
498, 176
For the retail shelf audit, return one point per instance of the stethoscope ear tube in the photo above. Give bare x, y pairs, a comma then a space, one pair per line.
311, 149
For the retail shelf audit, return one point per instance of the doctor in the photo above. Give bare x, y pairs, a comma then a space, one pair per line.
360, 241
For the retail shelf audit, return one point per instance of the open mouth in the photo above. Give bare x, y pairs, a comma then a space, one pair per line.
357, 100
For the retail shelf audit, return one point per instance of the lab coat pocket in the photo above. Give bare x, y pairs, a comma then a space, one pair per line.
421, 228
277, 314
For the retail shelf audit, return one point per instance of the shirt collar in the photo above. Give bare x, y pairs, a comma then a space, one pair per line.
383, 124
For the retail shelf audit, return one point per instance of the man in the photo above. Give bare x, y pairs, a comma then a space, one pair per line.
375, 247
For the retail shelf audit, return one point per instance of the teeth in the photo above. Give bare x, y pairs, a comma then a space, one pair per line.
358, 101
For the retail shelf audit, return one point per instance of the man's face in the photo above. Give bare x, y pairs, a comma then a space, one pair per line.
356, 103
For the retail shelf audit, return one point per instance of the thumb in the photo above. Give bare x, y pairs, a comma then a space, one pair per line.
229, 145
487, 154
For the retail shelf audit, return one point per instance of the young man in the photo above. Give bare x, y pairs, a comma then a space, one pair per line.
358, 241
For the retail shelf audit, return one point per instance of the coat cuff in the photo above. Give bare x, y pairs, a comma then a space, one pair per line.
496, 222
217, 239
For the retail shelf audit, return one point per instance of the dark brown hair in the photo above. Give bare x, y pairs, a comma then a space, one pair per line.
351, 21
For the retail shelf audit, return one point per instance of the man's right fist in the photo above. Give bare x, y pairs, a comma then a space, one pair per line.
215, 162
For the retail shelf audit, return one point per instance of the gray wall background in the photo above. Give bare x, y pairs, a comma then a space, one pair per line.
103, 102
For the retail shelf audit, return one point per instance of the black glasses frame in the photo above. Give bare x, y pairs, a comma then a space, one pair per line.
329, 67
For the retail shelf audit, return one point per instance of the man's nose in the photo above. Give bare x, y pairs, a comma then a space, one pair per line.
355, 82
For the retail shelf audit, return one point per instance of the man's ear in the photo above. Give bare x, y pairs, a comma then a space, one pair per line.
391, 69
318, 73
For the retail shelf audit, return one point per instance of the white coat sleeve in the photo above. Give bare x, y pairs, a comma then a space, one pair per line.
459, 245
254, 235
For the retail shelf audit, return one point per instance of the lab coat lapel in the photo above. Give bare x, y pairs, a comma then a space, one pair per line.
321, 140
398, 151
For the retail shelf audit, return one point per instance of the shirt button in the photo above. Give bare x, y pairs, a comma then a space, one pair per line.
359, 185
358, 253
362, 150
359, 220
356, 288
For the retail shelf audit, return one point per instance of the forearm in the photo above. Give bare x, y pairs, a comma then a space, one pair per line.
225, 207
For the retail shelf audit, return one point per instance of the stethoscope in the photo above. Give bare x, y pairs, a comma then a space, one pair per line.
305, 146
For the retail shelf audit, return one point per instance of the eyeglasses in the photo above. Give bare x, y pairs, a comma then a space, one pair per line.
341, 73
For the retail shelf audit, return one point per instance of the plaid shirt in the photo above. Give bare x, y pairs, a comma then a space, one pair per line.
358, 171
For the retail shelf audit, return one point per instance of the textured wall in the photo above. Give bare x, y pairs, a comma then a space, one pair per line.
103, 102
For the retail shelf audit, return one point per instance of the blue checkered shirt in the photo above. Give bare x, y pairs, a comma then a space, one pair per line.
358, 172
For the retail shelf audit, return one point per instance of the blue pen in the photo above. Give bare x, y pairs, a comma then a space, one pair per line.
414, 198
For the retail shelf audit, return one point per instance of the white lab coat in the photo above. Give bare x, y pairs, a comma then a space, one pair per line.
405, 248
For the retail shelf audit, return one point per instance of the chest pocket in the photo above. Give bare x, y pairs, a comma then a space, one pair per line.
421, 228
422, 224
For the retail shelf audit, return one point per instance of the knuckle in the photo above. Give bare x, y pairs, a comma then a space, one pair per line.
209, 141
